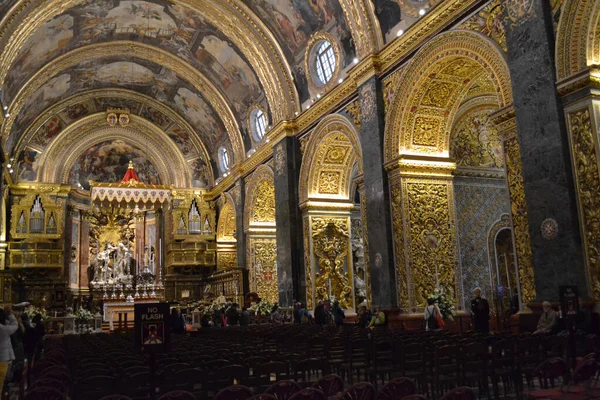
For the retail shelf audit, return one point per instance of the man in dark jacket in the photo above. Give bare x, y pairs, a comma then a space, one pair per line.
233, 315
480, 309
338, 313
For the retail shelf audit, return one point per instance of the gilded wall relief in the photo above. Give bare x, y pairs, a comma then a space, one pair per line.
226, 260
490, 22
516, 188
520, 11
331, 246
263, 209
475, 142
227, 224
308, 263
402, 275
262, 254
428, 209
585, 159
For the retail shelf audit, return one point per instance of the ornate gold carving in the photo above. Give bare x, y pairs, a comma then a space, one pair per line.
226, 227
332, 147
429, 215
520, 11
331, 243
354, 110
368, 101
516, 188
475, 141
456, 57
360, 16
398, 229
329, 182
588, 190
38, 215
259, 208
226, 260
263, 267
307, 263
489, 21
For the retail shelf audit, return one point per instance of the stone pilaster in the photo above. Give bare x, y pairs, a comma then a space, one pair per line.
544, 149
290, 267
376, 195
238, 193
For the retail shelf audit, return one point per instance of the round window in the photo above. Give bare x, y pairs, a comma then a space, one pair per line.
325, 61
224, 159
258, 124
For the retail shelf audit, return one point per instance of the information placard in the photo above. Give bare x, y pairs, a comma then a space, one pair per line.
569, 301
152, 326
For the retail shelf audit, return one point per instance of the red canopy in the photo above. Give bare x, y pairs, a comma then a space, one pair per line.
130, 175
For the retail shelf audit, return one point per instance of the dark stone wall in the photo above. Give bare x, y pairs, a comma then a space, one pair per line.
542, 134
290, 249
377, 199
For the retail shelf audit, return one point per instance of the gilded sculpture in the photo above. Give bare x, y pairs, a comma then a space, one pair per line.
331, 246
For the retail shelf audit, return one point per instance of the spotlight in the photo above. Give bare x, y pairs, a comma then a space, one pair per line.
318, 95
8, 165
341, 80
6, 115
10, 170
400, 32
296, 112
5, 108
422, 12
308, 106
355, 60
267, 140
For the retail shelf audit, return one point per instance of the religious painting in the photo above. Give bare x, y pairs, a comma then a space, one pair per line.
172, 27
48, 131
27, 165
292, 22
199, 173
156, 117
108, 162
143, 77
181, 137
396, 15
74, 112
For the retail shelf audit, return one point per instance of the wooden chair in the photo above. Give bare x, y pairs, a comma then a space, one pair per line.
177, 395
235, 392
330, 385
360, 391
283, 390
397, 389
460, 393
44, 393
309, 394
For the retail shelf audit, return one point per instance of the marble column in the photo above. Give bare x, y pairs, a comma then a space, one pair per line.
547, 173
290, 263
376, 195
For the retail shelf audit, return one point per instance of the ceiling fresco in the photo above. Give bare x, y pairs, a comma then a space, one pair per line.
137, 75
395, 15
159, 23
292, 22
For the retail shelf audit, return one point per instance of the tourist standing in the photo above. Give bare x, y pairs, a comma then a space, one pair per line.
431, 313
364, 317
275, 315
338, 313
245, 317
480, 310
320, 314
233, 315
177, 322
8, 326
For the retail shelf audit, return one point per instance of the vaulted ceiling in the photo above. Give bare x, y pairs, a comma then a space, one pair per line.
194, 68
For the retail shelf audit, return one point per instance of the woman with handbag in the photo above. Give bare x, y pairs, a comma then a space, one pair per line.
433, 316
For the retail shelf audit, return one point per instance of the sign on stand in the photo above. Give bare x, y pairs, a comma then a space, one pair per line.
152, 326
569, 301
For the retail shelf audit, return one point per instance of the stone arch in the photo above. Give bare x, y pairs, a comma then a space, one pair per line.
578, 37
434, 85
58, 160
332, 150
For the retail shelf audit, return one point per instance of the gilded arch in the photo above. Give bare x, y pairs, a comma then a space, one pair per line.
58, 160
142, 51
432, 86
259, 208
332, 150
226, 237
578, 37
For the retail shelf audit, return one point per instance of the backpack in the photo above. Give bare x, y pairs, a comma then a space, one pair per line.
432, 322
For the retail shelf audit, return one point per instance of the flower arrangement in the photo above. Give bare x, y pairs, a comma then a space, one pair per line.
83, 316
444, 303
263, 308
32, 311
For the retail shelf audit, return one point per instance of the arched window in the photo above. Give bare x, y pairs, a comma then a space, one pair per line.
259, 123
326, 62
224, 160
